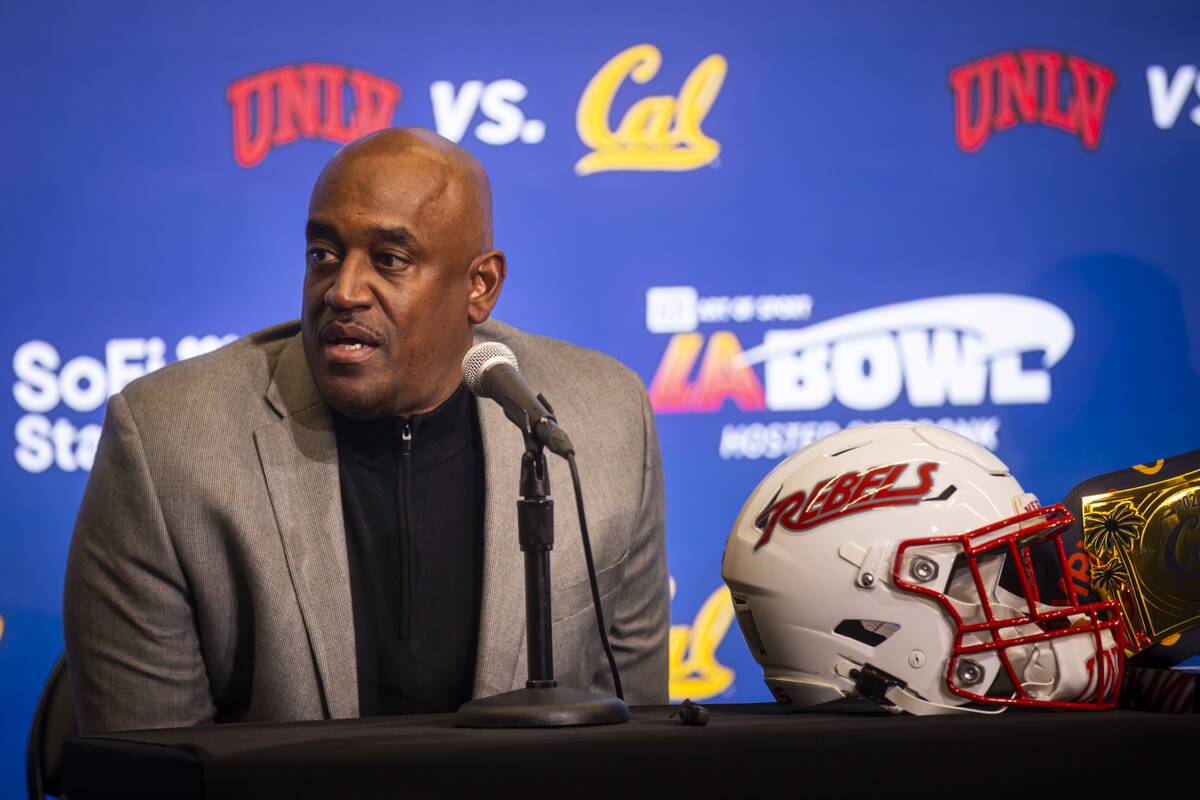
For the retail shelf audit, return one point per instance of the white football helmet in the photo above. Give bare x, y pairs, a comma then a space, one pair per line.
870, 563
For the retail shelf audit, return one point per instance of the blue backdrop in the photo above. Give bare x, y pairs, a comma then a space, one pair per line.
787, 217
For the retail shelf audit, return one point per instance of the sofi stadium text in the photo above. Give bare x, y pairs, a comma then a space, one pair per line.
46, 382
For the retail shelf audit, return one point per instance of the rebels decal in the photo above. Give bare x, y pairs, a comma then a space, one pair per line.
996, 92
842, 495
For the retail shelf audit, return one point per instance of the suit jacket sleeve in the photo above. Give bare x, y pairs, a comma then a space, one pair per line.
640, 618
131, 638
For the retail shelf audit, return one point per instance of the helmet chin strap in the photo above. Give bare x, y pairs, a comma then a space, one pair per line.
1054, 670
1040, 666
894, 695
915, 705
1036, 664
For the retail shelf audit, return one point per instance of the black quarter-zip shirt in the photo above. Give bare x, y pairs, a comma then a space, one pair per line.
412, 503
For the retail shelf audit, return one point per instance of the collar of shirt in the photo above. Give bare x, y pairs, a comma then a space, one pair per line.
432, 437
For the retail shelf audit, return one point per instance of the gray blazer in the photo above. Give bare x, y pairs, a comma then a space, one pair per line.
207, 576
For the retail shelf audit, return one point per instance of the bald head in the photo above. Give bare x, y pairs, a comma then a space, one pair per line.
400, 266
461, 180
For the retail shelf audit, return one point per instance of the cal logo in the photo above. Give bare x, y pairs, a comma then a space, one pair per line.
841, 495
692, 666
657, 133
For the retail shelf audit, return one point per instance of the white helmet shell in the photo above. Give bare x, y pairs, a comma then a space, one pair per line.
869, 563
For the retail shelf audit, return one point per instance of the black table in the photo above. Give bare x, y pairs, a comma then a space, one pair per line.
745, 751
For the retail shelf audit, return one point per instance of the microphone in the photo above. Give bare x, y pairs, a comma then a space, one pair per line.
490, 370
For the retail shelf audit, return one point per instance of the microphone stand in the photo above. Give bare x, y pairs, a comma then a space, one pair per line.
542, 703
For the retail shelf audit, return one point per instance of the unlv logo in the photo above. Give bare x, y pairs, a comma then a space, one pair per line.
1030, 86
1102, 683
842, 495
280, 105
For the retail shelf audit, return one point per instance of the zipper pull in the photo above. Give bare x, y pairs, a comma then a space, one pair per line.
406, 438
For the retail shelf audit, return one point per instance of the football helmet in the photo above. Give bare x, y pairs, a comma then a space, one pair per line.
903, 563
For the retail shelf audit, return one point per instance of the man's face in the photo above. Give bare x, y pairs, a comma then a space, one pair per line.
386, 286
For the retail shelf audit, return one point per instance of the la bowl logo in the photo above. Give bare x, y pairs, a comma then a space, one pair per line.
656, 133
958, 350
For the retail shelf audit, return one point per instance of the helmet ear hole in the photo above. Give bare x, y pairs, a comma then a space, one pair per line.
868, 631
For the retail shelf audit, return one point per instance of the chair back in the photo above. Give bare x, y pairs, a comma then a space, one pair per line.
53, 722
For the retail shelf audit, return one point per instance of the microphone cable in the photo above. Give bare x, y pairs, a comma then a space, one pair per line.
591, 568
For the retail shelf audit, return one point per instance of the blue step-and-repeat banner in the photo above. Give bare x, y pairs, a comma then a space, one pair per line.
788, 218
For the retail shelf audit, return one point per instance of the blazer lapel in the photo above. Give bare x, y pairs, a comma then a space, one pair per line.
501, 648
299, 459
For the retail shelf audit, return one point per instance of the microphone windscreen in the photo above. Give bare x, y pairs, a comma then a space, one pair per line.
480, 357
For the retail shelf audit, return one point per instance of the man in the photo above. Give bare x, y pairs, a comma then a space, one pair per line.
319, 521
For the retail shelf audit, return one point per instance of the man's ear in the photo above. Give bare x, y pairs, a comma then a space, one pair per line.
487, 277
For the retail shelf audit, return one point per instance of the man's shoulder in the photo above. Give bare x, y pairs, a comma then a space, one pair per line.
226, 378
542, 358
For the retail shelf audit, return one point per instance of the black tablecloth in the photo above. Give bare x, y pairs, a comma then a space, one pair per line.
745, 750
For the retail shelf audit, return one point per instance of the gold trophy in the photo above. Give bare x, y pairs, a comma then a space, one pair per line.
1142, 537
